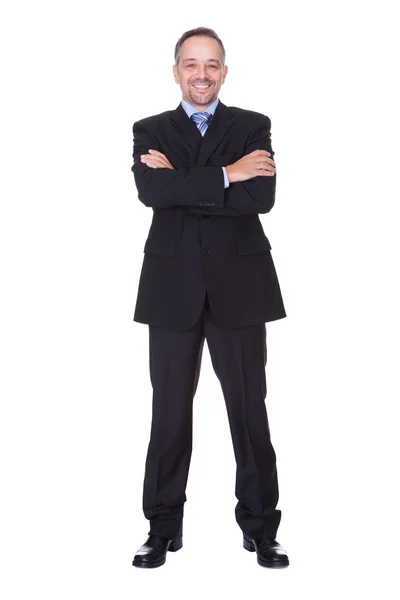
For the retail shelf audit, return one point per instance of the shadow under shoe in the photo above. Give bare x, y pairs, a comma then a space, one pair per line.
153, 552
269, 552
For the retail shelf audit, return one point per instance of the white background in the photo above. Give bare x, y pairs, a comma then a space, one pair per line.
76, 395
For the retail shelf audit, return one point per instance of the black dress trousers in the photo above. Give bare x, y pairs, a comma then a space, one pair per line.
239, 358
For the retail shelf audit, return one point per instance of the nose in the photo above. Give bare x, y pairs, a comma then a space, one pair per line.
202, 72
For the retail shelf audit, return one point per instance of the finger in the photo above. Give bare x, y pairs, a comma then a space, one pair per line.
154, 163
156, 153
262, 173
149, 158
158, 157
260, 153
150, 162
265, 162
268, 166
263, 165
265, 169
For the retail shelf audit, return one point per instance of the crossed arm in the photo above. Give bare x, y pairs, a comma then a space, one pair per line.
251, 189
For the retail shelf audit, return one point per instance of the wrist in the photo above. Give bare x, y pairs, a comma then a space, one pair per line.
230, 173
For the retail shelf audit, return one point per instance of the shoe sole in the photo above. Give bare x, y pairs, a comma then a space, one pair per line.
174, 547
271, 564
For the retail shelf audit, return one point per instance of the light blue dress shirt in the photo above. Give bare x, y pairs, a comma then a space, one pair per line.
190, 109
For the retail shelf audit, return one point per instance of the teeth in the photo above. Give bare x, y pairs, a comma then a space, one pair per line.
202, 85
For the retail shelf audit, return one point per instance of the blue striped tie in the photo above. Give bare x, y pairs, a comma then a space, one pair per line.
202, 120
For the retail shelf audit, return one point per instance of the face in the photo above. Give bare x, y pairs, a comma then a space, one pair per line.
200, 72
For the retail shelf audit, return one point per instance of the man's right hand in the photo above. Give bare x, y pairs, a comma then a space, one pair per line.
257, 163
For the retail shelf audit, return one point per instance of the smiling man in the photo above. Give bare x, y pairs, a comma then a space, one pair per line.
207, 171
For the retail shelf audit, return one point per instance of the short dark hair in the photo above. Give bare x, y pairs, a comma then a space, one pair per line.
197, 31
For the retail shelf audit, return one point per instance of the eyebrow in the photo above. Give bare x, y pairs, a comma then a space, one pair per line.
208, 60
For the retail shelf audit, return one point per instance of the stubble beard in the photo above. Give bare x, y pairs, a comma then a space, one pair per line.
202, 99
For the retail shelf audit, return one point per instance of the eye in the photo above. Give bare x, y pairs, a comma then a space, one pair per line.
213, 66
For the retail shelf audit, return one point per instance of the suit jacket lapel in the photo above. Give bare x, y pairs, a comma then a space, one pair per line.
186, 127
217, 129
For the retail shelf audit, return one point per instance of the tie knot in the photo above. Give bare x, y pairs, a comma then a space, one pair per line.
201, 117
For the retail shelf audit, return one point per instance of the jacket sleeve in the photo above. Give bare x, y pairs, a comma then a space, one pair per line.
255, 195
164, 188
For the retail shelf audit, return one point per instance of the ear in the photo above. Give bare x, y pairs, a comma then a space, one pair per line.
175, 73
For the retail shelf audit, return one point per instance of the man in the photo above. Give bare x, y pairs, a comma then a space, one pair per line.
207, 171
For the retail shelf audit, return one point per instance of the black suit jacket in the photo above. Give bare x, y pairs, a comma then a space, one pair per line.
228, 254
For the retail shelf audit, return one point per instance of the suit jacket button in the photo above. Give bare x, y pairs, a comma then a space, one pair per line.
206, 251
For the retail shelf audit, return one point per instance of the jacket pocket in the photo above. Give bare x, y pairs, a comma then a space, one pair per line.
253, 238
159, 247
223, 160
253, 245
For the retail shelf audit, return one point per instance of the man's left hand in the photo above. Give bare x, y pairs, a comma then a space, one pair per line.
156, 160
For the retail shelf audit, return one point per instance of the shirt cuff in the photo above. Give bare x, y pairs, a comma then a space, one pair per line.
226, 180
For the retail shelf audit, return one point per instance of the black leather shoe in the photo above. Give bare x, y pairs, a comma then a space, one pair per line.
153, 552
269, 552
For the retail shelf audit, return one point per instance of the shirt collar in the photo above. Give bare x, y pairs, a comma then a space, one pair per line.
190, 109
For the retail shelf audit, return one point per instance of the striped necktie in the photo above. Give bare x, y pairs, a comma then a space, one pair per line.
202, 120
